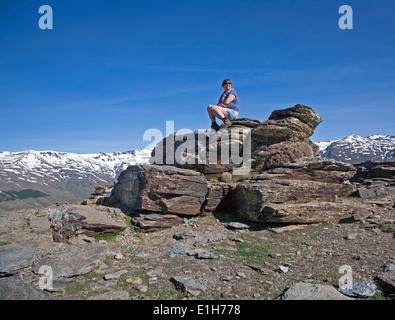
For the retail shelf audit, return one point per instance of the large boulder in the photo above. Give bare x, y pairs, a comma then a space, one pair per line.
192, 173
248, 144
163, 189
277, 155
303, 191
209, 152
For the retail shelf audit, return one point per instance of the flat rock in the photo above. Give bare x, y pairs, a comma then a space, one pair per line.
309, 291
389, 267
150, 222
73, 260
134, 281
11, 237
291, 227
69, 220
236, 225
142, 255
226, 278
187, 284
115, 274
184, 235
319, 169
302, 213
380, 203
39, 222
369, 192
206, 255
16, 256
177, 250
247, 122
111, 295
363, 289
12, 288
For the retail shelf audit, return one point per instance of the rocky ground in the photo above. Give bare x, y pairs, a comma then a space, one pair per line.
210, 257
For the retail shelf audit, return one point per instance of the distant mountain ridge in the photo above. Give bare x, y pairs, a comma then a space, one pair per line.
357, 149
59, 176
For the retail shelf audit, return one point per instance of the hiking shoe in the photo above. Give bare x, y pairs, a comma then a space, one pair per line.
226, 124
215, 126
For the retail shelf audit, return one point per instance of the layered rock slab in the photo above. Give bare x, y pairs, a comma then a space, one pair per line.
68, 221
162, 189
304, 191
13, 288
72, 260
16, 256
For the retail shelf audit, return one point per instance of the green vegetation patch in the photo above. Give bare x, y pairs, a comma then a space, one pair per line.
11, 195
250, 252
388, 227
109, 236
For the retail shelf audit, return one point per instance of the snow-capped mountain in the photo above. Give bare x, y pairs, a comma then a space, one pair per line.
356, 149
60, 176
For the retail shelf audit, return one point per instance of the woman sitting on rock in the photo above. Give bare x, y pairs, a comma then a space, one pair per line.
227, 108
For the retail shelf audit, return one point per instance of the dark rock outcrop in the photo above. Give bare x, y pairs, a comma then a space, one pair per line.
371, 178
370, 170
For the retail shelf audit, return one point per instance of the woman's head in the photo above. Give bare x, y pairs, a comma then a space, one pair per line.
227, 84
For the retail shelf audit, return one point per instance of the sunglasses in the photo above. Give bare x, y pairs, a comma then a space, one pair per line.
227, 83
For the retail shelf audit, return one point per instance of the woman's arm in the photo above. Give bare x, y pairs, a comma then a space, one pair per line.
229, 99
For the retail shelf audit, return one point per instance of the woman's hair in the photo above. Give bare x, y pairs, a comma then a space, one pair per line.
226, 80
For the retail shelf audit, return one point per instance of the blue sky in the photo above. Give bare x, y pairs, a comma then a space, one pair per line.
110, 70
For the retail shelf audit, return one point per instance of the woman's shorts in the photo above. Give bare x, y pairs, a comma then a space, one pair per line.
232, 114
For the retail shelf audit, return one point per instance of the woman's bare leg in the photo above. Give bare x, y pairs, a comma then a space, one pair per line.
216, 111
210, 113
